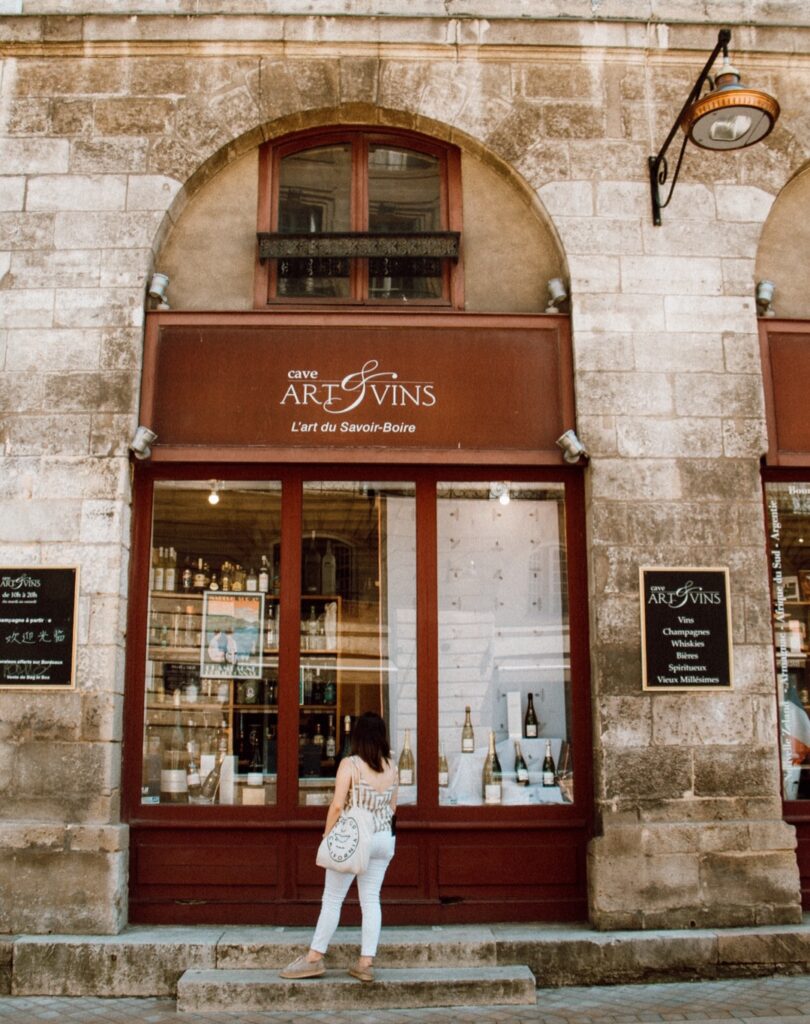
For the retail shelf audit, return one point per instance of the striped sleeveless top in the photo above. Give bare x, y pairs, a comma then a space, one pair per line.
376, 801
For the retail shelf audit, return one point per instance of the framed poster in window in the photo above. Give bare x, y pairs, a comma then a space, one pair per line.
231, 644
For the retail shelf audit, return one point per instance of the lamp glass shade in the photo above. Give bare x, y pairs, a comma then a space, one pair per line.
732, 116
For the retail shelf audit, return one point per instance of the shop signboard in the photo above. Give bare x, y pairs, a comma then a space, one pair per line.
445, 385
685, 628
38, 627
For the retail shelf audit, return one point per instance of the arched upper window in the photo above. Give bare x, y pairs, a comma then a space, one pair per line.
359, 216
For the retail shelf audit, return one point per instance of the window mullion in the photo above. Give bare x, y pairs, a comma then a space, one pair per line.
360, 212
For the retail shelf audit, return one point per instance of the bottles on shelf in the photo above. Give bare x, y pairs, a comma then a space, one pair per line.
530, 725
549, 771
407, 765
197, 575
492, 779
467, 734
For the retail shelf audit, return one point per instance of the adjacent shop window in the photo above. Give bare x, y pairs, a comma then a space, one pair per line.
504, 666
788, 531
211, 691
358, 625
358, 216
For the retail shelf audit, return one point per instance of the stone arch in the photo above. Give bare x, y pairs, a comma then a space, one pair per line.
783, 253
535, 247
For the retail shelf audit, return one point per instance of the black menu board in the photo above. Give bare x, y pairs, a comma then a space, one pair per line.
685, 628
38, 627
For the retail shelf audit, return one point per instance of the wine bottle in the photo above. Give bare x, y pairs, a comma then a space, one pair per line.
346, 749
193, 783
251, 581
549, 771
200, 580
152, 766
467, 734
170, 575
255, 772
330, 748
407, 774
521, 768
444, 771
173, 781
530, 721
159, 574
492, 778
318, 739
264, 576
271, 640
312, 568
210, 787
328, 571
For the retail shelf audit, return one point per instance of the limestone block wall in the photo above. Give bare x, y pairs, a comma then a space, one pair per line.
110, 124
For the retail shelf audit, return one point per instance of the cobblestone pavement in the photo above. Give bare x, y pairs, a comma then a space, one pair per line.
746, 1001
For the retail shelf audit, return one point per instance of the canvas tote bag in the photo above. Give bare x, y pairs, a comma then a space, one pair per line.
346, 848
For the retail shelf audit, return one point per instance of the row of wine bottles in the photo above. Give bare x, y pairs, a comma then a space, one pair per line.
195, 574
492, 779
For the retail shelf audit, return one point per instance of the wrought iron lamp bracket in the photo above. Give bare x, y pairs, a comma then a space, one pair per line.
658, 166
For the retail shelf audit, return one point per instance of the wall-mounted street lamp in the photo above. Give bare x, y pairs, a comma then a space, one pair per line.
729, 116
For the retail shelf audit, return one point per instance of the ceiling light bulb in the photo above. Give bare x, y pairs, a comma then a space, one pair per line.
213, 497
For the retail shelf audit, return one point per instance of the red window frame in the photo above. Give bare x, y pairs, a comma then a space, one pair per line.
359, 139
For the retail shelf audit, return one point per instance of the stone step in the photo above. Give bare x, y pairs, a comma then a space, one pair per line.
399, 988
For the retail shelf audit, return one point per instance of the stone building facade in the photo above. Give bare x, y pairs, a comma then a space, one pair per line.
129, 136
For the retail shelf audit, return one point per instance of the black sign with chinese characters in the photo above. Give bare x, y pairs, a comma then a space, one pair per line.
685, 628
37, 627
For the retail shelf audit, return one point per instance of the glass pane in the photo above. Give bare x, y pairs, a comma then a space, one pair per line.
212, 655
404, 190
358, 626
788, 523
315, 196
504, 668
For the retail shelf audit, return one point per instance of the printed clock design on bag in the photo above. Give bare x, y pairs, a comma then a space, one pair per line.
343, 839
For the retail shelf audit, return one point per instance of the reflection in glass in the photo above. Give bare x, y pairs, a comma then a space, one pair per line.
358, 623
212, 656
788, 531
314, 197
503, 639
404, 190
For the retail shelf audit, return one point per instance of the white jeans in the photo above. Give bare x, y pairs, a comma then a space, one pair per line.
336, 886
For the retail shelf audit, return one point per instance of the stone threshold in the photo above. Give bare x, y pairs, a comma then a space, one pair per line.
148, 961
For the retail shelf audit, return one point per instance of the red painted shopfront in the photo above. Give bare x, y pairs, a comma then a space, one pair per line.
343, 511
785, 350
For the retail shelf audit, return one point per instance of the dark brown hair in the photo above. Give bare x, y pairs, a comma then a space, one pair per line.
370, 740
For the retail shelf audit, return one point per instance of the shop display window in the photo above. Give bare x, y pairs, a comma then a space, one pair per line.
211, 693
788, 531
504, 665
358, 625
256, 663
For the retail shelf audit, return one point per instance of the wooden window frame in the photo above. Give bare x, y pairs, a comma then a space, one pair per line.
359, 139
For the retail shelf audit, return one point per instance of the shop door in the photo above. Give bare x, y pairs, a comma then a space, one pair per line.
274, 617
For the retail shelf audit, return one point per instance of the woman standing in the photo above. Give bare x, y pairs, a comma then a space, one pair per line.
371, 770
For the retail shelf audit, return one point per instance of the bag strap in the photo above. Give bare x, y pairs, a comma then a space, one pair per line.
352, 787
